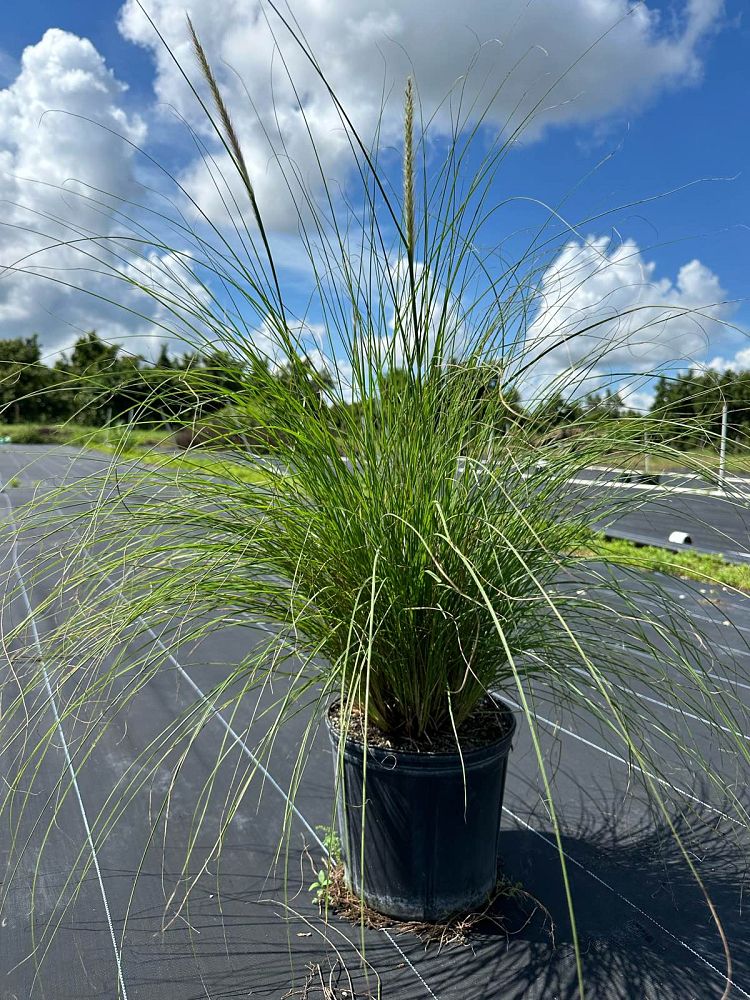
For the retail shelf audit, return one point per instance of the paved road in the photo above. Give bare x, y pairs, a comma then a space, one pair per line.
643, 923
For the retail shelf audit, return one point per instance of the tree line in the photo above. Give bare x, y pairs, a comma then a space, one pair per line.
96, 383
693, 401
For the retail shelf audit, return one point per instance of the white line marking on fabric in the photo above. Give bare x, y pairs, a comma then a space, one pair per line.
661, 491
281, 791
248, 752
674, 475
64, 744
558, 727
684, 611
716, 599
670, 708
732, 681
702, 617
628, 902
729, 680
236, 738
719, 596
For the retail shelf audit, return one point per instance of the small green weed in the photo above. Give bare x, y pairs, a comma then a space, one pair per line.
320, 886
331, 842
332, 845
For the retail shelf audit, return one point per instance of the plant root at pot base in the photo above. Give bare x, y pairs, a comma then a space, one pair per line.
509, 909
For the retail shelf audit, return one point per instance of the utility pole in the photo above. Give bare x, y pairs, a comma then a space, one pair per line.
723, 448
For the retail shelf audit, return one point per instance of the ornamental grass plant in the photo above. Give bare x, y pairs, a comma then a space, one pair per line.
417, 552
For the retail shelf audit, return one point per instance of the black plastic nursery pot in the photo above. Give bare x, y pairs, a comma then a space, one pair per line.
431, 836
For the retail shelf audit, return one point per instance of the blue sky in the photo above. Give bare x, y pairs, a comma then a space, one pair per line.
662, 102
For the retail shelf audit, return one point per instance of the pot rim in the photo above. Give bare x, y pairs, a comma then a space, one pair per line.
448, 759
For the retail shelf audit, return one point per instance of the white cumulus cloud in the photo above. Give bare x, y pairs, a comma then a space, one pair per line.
47, 158
59, 121
602, 307
560, 61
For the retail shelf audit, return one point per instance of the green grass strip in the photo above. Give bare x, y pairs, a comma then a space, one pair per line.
707, 568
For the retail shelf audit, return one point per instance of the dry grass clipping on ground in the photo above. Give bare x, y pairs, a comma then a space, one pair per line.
341, 901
